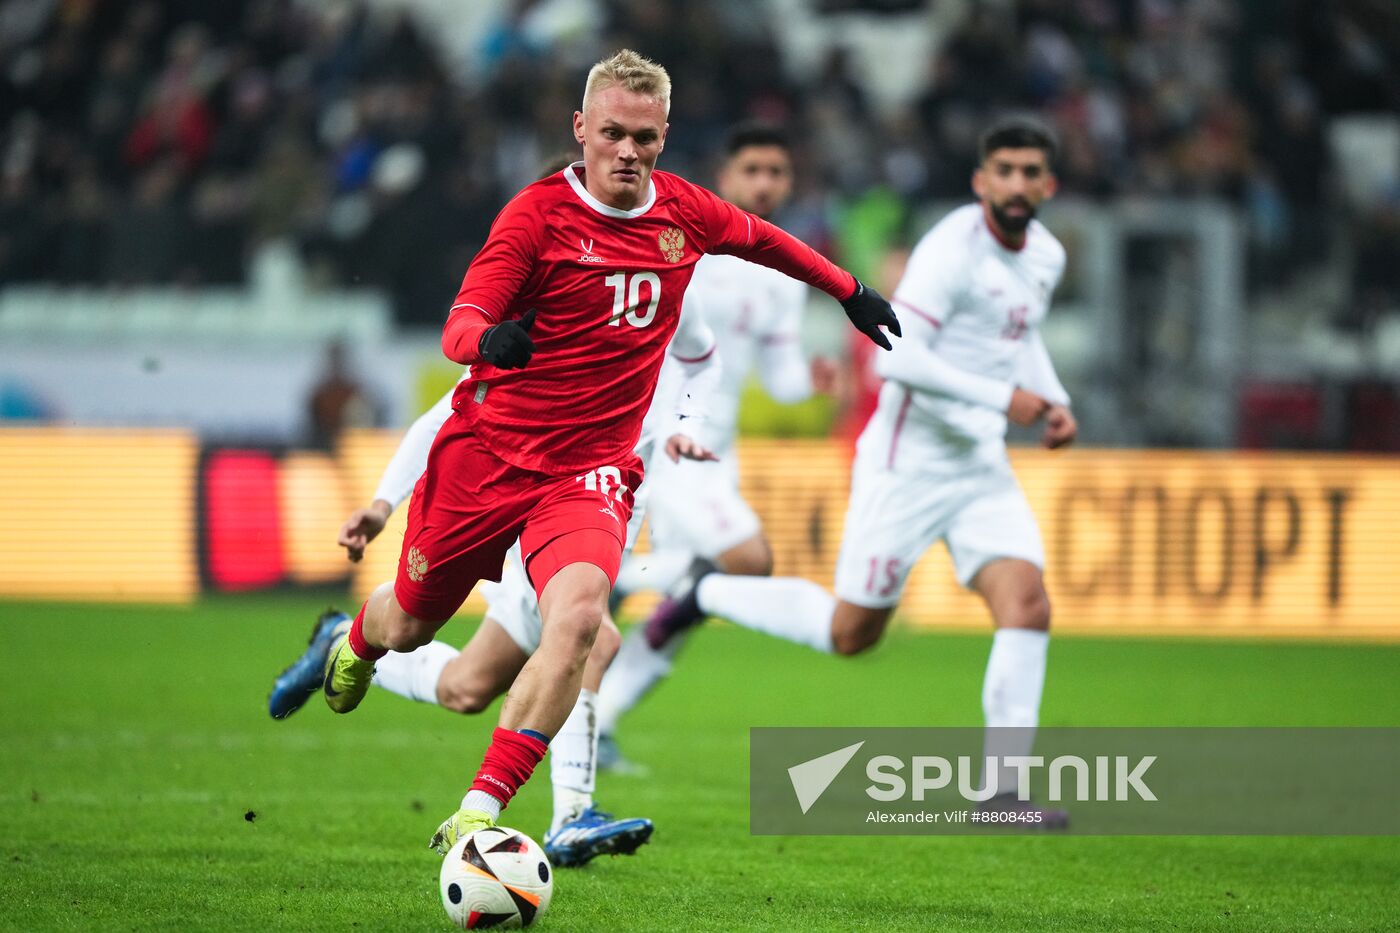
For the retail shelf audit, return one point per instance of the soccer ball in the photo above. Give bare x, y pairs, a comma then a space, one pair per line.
496, 877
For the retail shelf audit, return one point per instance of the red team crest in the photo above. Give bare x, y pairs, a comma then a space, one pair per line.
672, 243
1016, 325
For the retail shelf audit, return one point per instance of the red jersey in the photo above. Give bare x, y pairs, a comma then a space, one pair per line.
606, 286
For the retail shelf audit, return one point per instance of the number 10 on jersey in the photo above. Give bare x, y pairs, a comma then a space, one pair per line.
627, 298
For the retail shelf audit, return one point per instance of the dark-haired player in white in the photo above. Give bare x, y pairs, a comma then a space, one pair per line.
932, 465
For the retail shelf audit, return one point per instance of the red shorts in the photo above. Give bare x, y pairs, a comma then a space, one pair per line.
469, 507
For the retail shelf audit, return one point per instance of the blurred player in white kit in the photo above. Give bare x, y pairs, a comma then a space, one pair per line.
932, 464
694, 507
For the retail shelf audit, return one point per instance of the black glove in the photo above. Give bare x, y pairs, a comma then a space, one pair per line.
868, 310
507, 345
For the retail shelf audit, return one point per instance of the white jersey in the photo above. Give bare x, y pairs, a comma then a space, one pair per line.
690, 375
970, 307
932, 461
756, 315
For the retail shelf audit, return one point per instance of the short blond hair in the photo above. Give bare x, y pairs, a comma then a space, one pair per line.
627, 69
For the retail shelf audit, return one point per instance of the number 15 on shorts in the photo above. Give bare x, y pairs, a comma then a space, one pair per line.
883, 579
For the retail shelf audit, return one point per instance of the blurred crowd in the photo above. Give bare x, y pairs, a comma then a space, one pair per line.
161, 142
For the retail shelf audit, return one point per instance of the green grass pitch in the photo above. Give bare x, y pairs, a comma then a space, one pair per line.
142, 787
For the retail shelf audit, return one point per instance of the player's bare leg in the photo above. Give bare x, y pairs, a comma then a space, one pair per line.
857, 628
467, 681
387, 626
488, 666
485, 669
470, 680
750, 558
1014, 592
640, 667
573, 605
464, 681
579, 832
381, 626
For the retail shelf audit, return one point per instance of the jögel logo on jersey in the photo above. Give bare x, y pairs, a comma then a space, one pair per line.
588, 254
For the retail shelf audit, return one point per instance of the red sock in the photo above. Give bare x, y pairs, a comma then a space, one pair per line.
509, 762
363, 650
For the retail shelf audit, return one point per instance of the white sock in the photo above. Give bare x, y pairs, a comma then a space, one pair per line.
788, 607
655, 571
636, 669
573, 764
1011, 696
480, 800
414, 674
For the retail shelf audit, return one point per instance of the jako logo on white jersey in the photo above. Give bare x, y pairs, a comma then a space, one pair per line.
588, 255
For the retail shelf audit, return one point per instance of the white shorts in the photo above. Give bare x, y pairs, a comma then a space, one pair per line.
894, 517
696, 506
513, 604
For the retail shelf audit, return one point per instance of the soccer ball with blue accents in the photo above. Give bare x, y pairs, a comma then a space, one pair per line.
496, 877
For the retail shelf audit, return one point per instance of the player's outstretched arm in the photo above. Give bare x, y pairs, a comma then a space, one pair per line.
693, 349
1035, 371
409, 461
914, 364
362, 527
739, 233
410, 458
